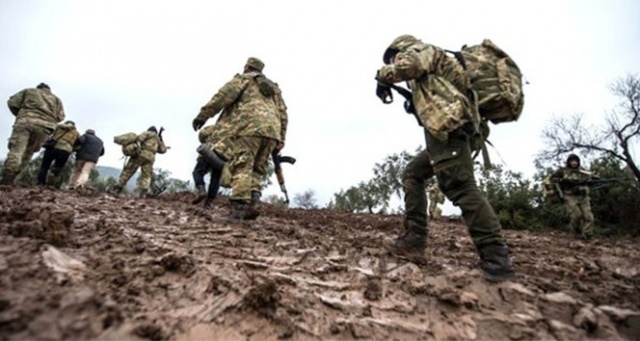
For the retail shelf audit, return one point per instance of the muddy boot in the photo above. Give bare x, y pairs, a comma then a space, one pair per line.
411, 244
237, 212
143, 193
208, 203
200, 195
8, 178
51, 180
115, 190
495, 263
252, 209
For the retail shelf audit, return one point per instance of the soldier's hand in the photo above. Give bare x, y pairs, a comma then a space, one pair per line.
280, 146
197, 123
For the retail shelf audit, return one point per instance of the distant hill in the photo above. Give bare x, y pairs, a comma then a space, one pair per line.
112, 172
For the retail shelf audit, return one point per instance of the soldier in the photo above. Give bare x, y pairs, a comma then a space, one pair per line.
435, 197
150, 144
576, 196
37, 112
91, 148
64, 139
441, 97
250, 98
212, 137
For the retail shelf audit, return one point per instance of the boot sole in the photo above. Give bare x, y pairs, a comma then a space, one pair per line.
412, 256
498, 279
198, 200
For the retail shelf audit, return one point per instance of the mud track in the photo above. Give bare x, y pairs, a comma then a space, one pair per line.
84, 265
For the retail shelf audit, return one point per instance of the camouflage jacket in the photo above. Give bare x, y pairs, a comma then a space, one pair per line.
66, 136
439, 87
150, 144
569, 179
251, 107
435, 194
36, 106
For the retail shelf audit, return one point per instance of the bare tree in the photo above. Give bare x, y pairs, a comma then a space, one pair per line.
622, 127
306, 200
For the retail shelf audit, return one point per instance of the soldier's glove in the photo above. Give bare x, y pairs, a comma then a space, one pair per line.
197, 123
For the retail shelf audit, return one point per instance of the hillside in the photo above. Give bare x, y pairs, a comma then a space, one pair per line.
84, 265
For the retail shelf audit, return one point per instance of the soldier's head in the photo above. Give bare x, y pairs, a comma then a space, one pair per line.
153, 129
90, 132
43, 86
399, 44
253, 64
573, 161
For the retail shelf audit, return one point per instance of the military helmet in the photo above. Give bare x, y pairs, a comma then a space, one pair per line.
573, 157
255, 63
399, 44
153, 129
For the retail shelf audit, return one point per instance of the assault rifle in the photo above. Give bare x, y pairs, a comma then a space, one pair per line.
277, 161
383, 91
590, 183
160, 137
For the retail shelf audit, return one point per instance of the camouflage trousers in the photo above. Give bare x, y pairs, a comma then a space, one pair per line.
25, 140
248, 164
580, 215
434, 211
81, 172
130, 168
452, 164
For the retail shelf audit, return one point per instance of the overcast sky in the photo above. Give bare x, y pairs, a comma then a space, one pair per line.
121, 66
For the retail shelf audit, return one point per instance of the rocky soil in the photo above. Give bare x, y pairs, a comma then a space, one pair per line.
84, 265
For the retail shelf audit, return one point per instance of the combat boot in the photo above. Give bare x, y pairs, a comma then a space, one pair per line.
200, 195
237, 211
411, 244
8, 178
115, 190
252, 209
208, 203
143, 193
495, 263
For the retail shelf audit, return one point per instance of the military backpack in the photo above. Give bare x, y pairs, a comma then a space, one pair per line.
551, 191
129, 143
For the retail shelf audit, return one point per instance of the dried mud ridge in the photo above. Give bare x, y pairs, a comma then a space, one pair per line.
83, 265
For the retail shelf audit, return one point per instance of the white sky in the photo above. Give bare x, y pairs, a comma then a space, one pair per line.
122, 66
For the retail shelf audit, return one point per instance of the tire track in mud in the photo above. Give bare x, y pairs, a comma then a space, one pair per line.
162, 269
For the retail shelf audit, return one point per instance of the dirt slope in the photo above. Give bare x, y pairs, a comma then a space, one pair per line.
82, 265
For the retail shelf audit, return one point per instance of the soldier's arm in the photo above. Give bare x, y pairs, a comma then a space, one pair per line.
557, 175
60, 116
226, 96
15, 102
408, 65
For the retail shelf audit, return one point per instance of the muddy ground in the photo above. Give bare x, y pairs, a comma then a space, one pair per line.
84, 265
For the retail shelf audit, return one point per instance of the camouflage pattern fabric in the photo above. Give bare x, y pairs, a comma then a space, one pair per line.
250, 161
253, 112
132, 165
150, 145
439, 86
26, 139
576, 198
580, 215
37, 107
452, 164
435, 197
65, 135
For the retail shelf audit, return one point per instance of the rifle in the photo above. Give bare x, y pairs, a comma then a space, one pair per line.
160, 134
590, 183
383, 92
277, 160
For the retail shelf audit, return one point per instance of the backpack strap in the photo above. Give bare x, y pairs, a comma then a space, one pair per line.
459, 57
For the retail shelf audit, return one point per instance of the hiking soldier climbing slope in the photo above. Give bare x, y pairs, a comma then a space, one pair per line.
575, 193
441, 96
147, 145
37, 112
58, 148
250, 99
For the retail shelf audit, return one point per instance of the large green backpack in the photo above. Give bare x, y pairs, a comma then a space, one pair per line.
129, 143
497, 81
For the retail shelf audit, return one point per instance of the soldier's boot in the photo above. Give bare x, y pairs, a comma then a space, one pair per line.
115, 190
143, 193
237, 211
8, 178
200, 195
209, 202
495, 263
51, 180
252, 209
411, 244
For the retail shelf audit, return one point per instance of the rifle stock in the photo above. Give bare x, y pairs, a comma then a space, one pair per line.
277, 161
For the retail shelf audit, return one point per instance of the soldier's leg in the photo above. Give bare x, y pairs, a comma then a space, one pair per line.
60, 160
412, 242
85, 172
453, 167
47, 160
574, 212
199, 171
37, 136
259, 170
18, 142
144, 181
127, 172
241, 167
77, 169
587, 219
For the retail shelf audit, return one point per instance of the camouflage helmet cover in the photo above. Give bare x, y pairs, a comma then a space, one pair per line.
399, 44
255, 63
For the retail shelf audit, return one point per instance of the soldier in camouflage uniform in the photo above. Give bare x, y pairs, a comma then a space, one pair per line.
441, 97
435, 197
66, 137
251, 100
576, 196
150, 145
37, 112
